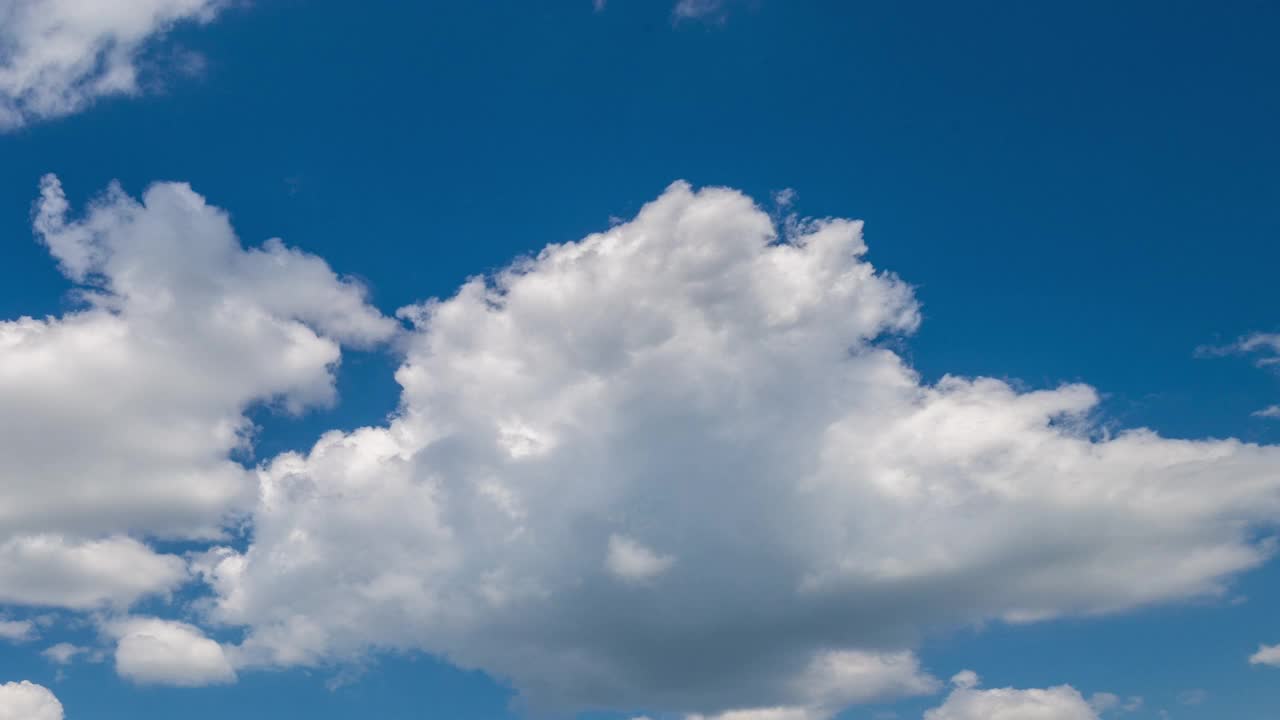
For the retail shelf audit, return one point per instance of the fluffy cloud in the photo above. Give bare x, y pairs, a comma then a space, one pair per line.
152, 651
121, 418
50, 570
57, 56
63, 653
1265, 349
17, 630
633, 562
967, 702
28, 701
695, 401
1266, 655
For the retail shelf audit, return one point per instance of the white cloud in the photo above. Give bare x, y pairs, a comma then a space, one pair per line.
1266, 343
17, 630
633, 562
152, 651
967, 702
1266, 655
52, 570
28, 701
1266, 346
690, 380
63, 653
121, 417
58, 56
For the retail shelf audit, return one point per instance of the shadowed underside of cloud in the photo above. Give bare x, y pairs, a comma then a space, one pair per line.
58, 56
671, 466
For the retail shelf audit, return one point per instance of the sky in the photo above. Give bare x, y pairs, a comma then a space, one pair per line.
639, 359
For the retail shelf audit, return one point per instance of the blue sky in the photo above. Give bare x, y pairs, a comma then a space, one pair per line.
1054, 195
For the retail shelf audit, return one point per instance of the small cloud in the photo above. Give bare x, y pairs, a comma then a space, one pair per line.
633, 562
62, 653
1266, 655
17, 630
1104, 701
966, 680
1192, 697
710, 11
152, 651
784, 198
346, 677
1265, 349
1265, 345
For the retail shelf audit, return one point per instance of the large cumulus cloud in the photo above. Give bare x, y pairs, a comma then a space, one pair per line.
673, 466
121, 417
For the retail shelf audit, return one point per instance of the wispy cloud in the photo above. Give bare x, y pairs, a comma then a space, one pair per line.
57, 57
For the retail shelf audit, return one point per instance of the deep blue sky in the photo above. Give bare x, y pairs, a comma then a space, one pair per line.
1080, 191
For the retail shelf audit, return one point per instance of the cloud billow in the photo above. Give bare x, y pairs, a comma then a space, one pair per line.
672, 466
28, 701
120, 416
